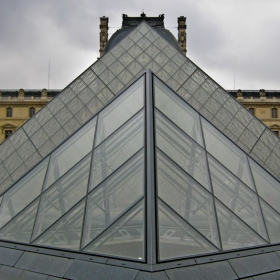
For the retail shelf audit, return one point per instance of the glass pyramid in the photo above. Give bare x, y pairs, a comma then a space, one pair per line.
154, 175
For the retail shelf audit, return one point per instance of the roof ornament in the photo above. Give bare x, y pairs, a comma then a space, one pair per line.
143, 15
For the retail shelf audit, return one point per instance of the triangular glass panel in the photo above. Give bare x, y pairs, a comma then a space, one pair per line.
184, 195
23, 193
235, 233
66, 232
125, 238
62, 196
116, 149
20, 227
272, 221
177, 111
119, 111
71, 152
268, 187
177, 238
181, 149
227, 153
236, 196
114, 196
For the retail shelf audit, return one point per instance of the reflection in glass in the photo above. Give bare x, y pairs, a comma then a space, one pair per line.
268, 187
237, 197
66, 232
20, 228
177, 111
118, 148
227, 153
71, 152
184, 195
119, 111
272, 221
177, 238
234, 233
180, 148
111, 198
62, 195
125, 238
23, 192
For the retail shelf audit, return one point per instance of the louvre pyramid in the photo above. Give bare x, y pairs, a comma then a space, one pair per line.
168, 169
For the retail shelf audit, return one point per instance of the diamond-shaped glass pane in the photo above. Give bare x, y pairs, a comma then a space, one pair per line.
114, 196
268, 187
227, 153
128, 230
177, 238
119, 111
23, 193
272, 220
177, 111
62, 196
116, 149
71, 152
20, 228
66, 232
237, 197
184, 195
234, 233
182, 150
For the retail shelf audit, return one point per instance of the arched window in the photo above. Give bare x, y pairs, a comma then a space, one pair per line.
274, 113
31, 112
9, 112
252, 111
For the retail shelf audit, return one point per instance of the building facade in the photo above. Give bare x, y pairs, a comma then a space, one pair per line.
16, 107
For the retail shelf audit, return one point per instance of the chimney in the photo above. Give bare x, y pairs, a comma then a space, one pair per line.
103, 34
182, 35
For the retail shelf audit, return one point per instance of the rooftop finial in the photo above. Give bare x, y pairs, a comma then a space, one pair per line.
143, 14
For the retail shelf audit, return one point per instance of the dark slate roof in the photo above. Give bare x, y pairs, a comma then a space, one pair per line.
29, 92
129, 23
255, 93
31, 262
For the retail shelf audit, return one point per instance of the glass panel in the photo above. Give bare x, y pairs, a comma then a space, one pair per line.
178, 111
272, 221
116, 194
20, 228
118, 148
268, 188
23, 192
67, 156
237, 197
177, 238
227, 153
186, 197
66, 232
62, 196
125, 238
119, 111
234, 233
180, 148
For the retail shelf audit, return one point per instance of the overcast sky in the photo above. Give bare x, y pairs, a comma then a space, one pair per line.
226, 38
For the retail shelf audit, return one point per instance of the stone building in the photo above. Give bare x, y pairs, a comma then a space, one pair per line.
16, 107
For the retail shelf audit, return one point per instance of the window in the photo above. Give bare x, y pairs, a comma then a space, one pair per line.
274, 113
9, 112
276, 132
252, 111
31, 112
8, 133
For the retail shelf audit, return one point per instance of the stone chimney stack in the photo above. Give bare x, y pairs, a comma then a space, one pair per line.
182, 35
103, 34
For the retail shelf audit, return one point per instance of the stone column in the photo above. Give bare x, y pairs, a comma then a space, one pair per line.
182, 35
103, 34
